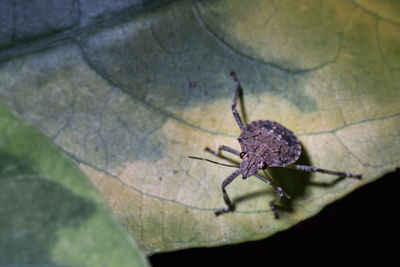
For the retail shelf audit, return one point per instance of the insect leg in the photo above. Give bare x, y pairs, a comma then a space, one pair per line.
314, 169
225, 148
278, 191
234, 102
227, 201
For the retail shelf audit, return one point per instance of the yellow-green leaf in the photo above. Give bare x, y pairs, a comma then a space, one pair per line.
130, 102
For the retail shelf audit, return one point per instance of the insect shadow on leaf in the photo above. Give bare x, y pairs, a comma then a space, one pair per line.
265, 145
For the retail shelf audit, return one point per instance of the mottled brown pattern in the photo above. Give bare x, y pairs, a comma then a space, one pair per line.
269, 142
264, 144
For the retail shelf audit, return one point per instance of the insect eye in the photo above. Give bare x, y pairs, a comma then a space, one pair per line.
242, 154
263, 165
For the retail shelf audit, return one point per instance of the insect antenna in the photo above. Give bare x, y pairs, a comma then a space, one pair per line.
226, 165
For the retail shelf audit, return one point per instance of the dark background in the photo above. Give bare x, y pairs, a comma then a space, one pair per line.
359, 230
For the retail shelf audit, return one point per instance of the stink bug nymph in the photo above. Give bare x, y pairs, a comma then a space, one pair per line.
263, 144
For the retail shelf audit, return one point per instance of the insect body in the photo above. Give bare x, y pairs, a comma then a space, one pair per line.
267, 144
264, 144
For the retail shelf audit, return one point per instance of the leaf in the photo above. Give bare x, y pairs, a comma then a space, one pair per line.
130, 102
50, 213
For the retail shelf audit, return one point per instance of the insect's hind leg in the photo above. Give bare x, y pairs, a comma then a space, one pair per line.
225, 148
234, 102
227, 200
314, 169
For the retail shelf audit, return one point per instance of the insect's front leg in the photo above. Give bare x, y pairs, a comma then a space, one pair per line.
278, 191
227, 200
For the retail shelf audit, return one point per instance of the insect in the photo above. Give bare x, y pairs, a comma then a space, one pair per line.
263, 144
